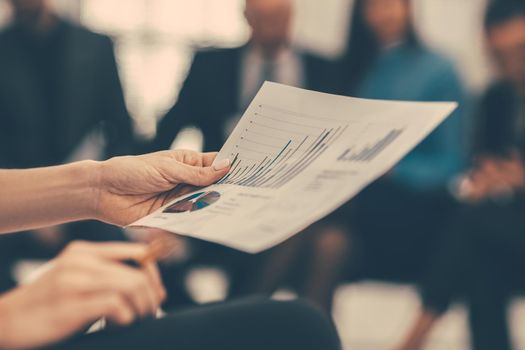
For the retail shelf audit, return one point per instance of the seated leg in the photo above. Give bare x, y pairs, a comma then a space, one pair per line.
255, 324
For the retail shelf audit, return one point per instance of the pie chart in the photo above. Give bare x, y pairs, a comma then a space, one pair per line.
194, 202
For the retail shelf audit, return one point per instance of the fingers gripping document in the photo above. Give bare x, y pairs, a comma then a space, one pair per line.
296, 156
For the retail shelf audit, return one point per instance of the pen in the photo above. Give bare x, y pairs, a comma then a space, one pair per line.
157, 250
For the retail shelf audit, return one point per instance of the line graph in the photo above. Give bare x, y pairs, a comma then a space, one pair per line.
277, 145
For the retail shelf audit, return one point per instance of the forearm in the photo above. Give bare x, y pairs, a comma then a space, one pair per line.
47, 196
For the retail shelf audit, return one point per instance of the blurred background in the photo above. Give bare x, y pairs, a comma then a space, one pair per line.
155, 43
156, 39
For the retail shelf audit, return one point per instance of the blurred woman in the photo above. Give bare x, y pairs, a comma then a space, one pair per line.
396, 217
388, 230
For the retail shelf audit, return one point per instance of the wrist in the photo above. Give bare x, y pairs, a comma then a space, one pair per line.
4, 323
94, 181
6, 315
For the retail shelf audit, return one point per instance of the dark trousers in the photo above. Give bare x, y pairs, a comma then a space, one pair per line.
394, 230
255, 324
480, 257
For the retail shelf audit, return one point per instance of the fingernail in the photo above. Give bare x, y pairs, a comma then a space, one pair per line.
223, 164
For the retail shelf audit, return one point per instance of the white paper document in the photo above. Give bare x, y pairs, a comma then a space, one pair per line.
297, 155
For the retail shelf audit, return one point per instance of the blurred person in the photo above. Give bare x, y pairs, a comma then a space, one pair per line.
387, 60
90, 281
59, 87
221, 84
480, 253
60, 82
388, 230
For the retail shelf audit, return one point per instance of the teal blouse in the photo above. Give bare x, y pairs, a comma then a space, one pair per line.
418, 74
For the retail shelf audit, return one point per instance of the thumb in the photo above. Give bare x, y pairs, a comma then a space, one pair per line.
202, 176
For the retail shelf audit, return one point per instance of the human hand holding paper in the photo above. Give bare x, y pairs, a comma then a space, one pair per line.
117, 191
132, 187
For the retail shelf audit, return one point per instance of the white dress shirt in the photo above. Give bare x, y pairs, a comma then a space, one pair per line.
286, 68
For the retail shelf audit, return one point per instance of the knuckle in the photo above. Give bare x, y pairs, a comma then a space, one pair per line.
63, 280
142, 282
115, 304
76, 246
61, 283
202, 174
61, 268
67, 263
134, 285
126, 318
190, 157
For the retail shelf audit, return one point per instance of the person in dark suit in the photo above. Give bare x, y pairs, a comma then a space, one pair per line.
480, 253
59, 83
59, 86
219, 87
222, 82
502, 120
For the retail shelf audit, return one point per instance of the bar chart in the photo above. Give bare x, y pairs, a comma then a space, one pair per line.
277, 145
370, 152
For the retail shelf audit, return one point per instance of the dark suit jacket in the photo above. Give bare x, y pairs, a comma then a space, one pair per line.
211, 94
90, 96
495, 132
90, 93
